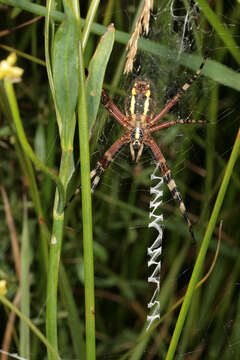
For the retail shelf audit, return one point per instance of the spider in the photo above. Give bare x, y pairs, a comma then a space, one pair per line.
139, 122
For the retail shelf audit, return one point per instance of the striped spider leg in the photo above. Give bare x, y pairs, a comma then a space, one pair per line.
103, 164
166, 173
177, 97
107, 159
113, 110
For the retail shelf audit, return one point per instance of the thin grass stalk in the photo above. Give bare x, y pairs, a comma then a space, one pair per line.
12, 232
25, 285
87, 222
26, 146
58, 217
86, 206
211, 130
222, 31
108, 12
54, 258
214, 70
8, 333
76, 327
56, 238
32, 184
213, 19
34, 329
203, 249
28, 171
88, 22
28, 168
23, 54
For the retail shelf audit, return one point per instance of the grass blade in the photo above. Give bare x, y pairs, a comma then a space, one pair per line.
203, 249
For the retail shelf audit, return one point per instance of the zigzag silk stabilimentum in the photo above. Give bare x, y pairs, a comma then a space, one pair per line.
155, 250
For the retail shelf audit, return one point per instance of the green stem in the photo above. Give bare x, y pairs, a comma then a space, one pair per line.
88, 22
28, 172
54, 259
86, 208
34, 329
25, 285
75, 325
220, 28
214, 70
213, 19
203, 249
23, 54
26, 146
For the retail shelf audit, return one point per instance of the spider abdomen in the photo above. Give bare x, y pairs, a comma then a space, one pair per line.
140, 103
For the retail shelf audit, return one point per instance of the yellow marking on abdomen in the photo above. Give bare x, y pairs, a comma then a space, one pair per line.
133, 102
146, 103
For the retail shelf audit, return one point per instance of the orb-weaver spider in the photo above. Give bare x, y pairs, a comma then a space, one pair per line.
139, 122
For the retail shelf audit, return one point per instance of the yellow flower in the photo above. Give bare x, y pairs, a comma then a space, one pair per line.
9, 71
3, 287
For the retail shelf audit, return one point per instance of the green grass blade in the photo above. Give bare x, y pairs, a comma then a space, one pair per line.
52, 286
96, 71
212, 69
65, 67
88, 22
87, 222
86, 210
23, 54
34, 329
25, 285
75, 324
65, 90
203, 249
220, 28
26, 146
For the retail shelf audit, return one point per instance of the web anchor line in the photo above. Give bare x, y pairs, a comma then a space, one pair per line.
155, 250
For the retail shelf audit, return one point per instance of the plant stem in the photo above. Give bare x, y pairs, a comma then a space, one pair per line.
86, 208
220, 28
88, 22
54, 258
26, 146
34, 329
203, 249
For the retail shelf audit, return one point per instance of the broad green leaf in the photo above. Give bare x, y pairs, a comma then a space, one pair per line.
65, 74
96, 73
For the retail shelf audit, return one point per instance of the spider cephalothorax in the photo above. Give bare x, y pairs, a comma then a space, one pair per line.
139, 122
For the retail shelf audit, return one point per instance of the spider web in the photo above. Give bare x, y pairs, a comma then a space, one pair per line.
180, 29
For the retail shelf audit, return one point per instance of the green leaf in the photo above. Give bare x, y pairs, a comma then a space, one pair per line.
65, 75
96, 73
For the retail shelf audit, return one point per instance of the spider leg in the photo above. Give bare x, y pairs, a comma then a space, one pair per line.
113, 109
175, 122
166, 173
101, 166
176, 98
107, 159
